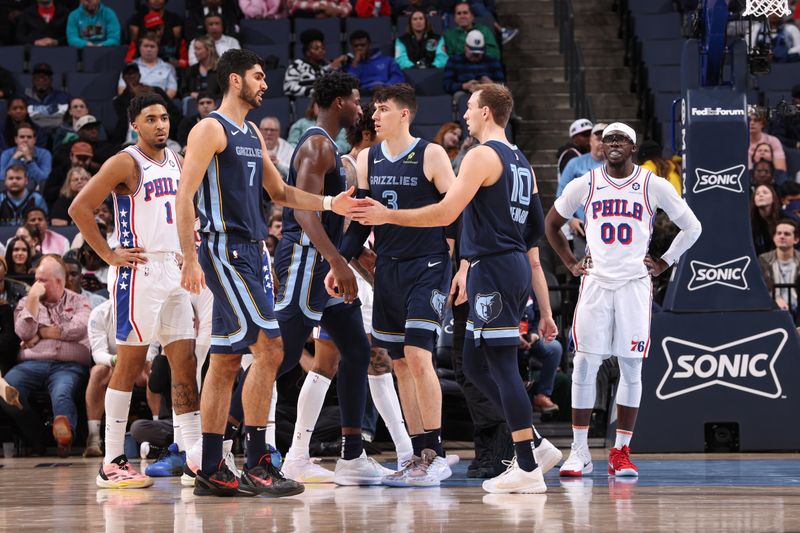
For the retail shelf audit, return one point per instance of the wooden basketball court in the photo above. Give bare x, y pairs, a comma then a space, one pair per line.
733, 492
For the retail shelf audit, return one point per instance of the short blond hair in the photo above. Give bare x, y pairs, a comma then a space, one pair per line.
498, 99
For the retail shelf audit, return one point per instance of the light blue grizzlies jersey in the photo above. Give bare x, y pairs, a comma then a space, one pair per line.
494, 221
400, 183
334, 182
230, 196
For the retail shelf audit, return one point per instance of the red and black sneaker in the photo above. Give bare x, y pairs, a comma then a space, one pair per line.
223, 482
265, 479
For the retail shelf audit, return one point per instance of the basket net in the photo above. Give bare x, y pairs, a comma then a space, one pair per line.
765, 8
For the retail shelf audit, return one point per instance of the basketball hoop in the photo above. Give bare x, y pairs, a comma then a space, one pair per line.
765, 8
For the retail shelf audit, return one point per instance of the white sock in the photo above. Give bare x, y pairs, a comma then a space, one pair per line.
580, 436
189, 424
155, 417
623, 438
177, 436
269, 436
309, 405
384, 396
94, 432
118, 403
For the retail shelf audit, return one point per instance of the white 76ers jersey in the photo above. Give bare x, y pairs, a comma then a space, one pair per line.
619, 218
146, 218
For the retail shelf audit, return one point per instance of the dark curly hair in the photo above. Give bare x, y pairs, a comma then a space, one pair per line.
235, 62
355, 134
331, 86
142, 101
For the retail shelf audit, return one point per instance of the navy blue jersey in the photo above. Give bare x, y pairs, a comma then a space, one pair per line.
230, 196
494, 221
334, 183
400, 183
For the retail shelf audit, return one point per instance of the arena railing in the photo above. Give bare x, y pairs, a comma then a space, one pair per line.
574, 66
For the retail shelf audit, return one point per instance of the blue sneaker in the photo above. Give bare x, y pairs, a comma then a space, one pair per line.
169, 464
275, 456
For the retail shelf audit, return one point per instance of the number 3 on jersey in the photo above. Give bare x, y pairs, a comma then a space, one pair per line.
391, 199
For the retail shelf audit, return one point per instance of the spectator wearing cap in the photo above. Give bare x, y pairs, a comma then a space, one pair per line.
156, 15
579, 133
319, 8
131, 75
651, 157
419, 47
171, 48
263, 9
18, 197
371, 66
80, 156
153, 70
46, 105
202, 76
464, 71
456, 35
205, 105
758, 121
215, 28
195, 22
36, 161
577, 167
43, 24
93, 24
786, 126
372, 8
52, 242
301, 74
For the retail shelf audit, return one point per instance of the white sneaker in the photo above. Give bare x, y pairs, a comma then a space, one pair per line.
516, 480
306, 470
547, 455
360, 471
431, 470
403, 461
452, 459
579, 462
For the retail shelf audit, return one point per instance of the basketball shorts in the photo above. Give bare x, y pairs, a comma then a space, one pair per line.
498, 288
149, 303
365, 296
237, 272
301, 272
410, 300
613, 321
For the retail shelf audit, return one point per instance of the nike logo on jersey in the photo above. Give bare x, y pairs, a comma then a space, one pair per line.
433, 264
234, 132
603, 187
376, 161
145, 168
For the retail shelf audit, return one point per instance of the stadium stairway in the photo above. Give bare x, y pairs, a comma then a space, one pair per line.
535, 71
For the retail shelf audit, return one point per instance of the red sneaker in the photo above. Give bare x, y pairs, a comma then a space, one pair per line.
619, 463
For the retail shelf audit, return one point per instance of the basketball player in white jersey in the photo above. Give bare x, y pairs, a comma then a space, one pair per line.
612, 316
144, 279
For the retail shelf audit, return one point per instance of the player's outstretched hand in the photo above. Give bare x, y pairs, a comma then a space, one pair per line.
192, 277
344, 202
128, 257
370, 212
655, 266
458, 288
581, 267
344, 283
547, 328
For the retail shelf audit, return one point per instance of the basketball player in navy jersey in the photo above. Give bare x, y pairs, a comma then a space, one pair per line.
502, 219
144, 280
225, 159
306, 253
412, 274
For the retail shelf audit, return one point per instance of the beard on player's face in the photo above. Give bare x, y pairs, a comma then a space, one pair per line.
160, 146
249, 96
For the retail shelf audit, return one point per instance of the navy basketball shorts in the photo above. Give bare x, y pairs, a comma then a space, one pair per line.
410, 299
238, 274
301, 272
498, 287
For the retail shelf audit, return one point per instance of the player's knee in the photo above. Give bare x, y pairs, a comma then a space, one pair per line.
419, 360
585, 368
99, 374
400, 367
379, 363
630, 370
225, 366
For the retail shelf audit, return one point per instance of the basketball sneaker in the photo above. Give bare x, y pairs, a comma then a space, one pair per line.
619, 463
190, 468
265, 479
169, 463
275, 456
121, 475
93, 450
547, 456
359, 471
398, 478
306, 470
62, 433
223, 482
579, 462
516, 480
430, 470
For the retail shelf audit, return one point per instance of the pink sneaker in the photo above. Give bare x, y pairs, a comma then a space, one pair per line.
121, 475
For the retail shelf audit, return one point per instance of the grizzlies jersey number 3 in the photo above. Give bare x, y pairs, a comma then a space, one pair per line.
495, 219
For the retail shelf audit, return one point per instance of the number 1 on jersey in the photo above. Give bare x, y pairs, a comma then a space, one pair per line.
169, 212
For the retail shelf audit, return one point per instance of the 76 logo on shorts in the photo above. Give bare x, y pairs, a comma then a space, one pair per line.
637, 345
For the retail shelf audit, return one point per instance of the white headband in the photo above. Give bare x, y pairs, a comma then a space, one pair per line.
622, 128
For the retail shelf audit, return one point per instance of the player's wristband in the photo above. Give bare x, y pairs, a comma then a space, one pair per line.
327, 203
